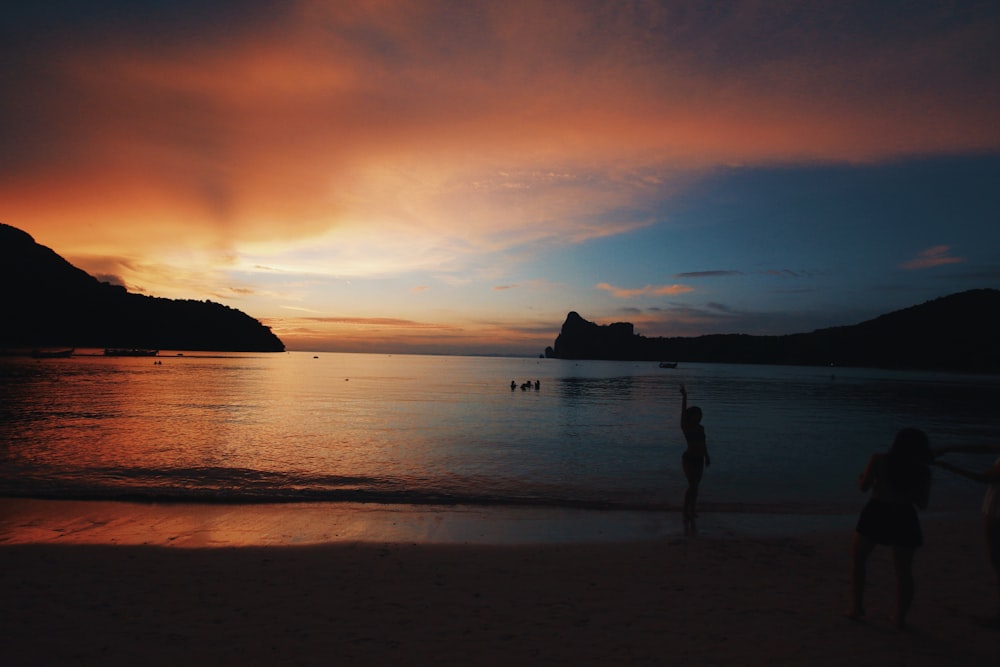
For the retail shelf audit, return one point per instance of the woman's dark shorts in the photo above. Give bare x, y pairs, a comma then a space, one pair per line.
890, 524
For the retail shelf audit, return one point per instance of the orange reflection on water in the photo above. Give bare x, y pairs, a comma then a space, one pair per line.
25, 521
215, 526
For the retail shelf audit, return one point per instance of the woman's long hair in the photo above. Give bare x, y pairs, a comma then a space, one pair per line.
909, 464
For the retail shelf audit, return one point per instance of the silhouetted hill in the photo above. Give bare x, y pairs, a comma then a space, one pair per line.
49, 302
957, 332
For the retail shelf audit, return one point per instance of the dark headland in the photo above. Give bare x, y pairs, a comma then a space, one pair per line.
957, 332
49, 302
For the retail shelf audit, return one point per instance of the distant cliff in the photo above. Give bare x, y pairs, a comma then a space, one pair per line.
957, 332
46, 301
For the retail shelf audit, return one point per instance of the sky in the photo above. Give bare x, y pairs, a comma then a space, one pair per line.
455, 177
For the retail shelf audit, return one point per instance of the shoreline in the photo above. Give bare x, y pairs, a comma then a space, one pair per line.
179, 585
196, 525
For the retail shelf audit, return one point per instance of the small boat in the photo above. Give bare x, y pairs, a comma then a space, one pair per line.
52, 354
129, 352
668, 364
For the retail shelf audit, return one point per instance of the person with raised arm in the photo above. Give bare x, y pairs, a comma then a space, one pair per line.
695, 456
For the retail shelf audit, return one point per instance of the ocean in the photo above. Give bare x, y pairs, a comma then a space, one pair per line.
450, 430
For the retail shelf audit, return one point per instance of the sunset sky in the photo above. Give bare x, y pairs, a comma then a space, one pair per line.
456, 176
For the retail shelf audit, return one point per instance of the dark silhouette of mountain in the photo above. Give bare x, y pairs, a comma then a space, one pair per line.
49, 302
957, 332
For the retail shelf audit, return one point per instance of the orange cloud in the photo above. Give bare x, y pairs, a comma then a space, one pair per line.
379, 322
507, 131
936, 256
389, 335
648, 290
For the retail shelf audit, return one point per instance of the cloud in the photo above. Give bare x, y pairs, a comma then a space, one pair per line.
932, 257
720, 307
707, 274
399, 335
381, 139
648, 290
721, 318
110, 278
380, 322
785, 273
301, 309
492, 124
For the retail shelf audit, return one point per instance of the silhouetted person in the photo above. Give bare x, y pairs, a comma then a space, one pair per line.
695, 457
513, 385
899, 481
991, 505
538, 385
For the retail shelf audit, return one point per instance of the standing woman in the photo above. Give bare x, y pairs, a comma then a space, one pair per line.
695, 457
991, 505
899, 481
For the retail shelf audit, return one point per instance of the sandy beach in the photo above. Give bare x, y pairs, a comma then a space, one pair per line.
119, 583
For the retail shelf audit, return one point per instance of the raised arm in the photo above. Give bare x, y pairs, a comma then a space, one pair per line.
967, 449
991, 476
684, 407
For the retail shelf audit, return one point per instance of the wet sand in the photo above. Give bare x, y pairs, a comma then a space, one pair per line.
119, 583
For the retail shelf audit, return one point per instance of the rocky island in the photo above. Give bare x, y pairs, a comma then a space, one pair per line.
49, 302
957, 332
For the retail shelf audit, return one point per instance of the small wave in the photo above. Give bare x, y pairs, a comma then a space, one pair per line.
224, 485
218, 487
162, 494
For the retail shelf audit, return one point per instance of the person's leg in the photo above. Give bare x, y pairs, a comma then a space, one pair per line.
693, 471
903, 560
689, 475
690, 500
861, 549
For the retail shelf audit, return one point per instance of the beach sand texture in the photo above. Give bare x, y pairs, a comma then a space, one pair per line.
716, 600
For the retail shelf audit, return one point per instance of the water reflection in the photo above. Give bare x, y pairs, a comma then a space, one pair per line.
596, 389
407, 428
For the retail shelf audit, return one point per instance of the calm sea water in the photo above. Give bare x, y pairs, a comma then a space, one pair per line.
433, 429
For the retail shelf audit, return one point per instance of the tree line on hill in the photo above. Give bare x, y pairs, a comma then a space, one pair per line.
48, 302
